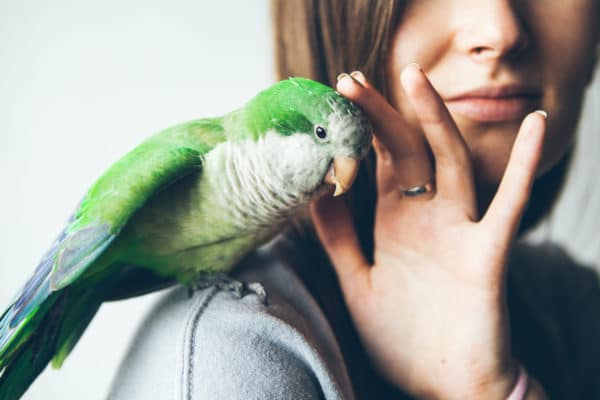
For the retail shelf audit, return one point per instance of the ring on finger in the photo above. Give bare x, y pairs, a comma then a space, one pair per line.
426, 188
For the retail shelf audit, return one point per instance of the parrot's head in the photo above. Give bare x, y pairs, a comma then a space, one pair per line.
315, 135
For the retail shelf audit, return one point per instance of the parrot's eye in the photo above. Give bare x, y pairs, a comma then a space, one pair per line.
320, 132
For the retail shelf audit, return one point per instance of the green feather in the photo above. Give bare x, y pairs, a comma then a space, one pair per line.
127, 185
290, 107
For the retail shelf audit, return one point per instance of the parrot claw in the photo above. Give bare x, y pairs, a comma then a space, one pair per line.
226, 283
259, 290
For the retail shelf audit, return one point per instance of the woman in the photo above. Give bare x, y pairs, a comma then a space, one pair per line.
436, 301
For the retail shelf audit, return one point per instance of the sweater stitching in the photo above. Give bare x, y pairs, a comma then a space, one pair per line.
191, 342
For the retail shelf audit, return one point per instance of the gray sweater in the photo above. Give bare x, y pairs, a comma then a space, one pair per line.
215, 346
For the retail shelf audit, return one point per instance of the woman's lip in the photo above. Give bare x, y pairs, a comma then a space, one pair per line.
494, 108
507, 89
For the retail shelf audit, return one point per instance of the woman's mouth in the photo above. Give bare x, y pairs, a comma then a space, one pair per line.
495, 104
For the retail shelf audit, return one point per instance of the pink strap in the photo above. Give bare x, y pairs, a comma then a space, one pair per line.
518, 392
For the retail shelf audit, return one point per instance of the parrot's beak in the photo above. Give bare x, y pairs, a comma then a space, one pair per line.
342, 173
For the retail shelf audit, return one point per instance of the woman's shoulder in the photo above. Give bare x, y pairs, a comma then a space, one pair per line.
553, 303
215, 345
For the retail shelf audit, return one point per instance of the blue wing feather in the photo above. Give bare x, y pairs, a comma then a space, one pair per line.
82, 247
73, 249
33, 293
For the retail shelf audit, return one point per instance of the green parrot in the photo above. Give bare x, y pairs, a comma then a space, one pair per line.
188, 202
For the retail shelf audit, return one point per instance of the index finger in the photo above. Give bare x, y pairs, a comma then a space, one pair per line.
386, 121
403, 159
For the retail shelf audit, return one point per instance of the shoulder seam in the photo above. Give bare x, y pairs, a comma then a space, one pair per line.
191, 326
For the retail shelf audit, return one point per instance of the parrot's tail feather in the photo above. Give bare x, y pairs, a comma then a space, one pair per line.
20, 319
49, 334
75, 321
30, 358
25, 306
16, 378
25, 367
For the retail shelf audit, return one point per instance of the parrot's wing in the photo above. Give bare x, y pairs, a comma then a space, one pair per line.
112, 201
106, 208
124, 188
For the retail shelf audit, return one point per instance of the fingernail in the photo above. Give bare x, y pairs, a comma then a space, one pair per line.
542, 113
342, 76
415, 65
358, 77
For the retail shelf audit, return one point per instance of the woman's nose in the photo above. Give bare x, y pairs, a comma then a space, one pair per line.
490, 30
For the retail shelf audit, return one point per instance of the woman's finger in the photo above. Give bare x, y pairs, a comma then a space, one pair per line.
505, 211
402, 156
382, 115
453, 171
333, 222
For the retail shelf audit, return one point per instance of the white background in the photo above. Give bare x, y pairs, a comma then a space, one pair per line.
83, 82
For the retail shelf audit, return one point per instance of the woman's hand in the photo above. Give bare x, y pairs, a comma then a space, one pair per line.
431, 309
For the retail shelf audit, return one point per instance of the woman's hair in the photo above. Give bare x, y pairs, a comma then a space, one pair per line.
319, 39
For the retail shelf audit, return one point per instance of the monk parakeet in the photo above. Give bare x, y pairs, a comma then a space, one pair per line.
190, 200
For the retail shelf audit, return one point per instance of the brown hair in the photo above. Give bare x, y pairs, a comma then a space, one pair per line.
319, 39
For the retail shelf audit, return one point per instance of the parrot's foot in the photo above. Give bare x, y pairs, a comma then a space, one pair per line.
220, 281
259, 290
226, 283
